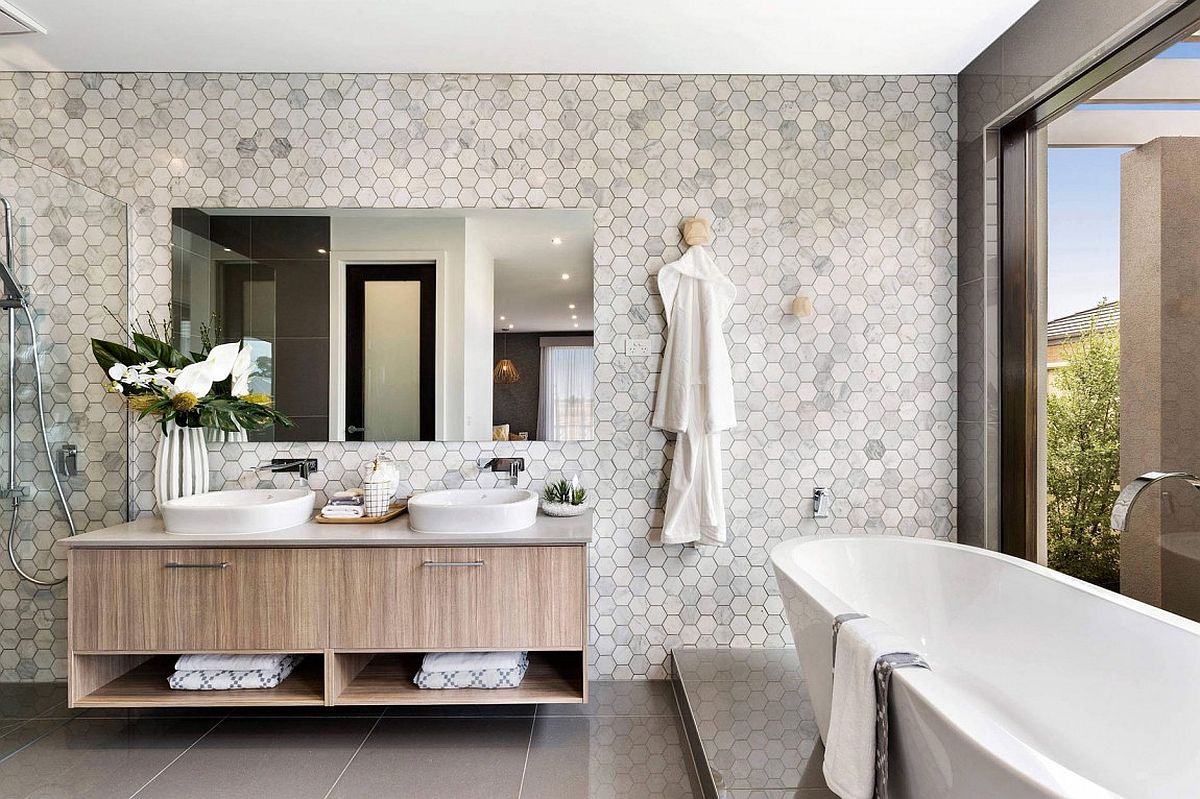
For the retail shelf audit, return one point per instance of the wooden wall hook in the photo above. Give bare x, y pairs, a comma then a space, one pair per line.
696, 231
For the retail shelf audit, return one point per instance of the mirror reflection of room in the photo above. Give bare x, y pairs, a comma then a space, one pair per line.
397, 324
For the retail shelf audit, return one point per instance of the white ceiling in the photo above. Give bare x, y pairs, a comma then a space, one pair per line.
550, 36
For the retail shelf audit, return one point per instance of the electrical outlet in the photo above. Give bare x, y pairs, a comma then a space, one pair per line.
637, 347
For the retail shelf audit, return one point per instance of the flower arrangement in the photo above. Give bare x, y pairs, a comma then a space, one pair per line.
564, 498
206, 389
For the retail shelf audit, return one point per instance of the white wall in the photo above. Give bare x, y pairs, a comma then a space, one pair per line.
478, 326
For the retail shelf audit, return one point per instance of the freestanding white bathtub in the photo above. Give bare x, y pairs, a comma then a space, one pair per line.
1041, 685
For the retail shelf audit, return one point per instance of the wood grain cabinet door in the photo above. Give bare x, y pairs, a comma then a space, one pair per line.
459, 598
197, 600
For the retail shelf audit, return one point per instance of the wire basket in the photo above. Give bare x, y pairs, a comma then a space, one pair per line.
377, 498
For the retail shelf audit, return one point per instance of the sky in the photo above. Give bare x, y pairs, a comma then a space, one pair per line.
1084, 216
1084, 223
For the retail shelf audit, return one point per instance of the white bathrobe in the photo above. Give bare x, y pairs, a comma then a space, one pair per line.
695, 395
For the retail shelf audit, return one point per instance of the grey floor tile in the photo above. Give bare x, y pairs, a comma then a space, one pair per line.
621, 698
214, 714
26, 700
22, 733
344, 711
262, 758
463, 758
460, 711
617, 757
95, 757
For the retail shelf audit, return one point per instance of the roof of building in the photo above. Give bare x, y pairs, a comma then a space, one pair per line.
1104, 317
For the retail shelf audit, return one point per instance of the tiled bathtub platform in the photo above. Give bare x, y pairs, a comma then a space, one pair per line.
749, 722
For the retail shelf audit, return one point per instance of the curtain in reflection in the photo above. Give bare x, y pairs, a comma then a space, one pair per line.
565, 401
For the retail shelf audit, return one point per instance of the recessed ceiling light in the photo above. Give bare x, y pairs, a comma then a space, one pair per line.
322, 250
574, 316
510, 327
576, 325
228, 250
556, 240
501, 318
571, 306
566, 276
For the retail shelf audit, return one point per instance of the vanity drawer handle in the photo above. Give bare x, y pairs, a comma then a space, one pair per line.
222, 565
439, 564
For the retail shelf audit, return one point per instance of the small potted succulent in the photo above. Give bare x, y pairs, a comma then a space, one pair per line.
564, 498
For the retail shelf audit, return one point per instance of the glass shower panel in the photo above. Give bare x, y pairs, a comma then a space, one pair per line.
71, 254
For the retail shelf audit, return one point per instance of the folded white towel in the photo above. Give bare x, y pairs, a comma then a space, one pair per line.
205, 662
441, 662
850, 746
474, 678
225, 680
342, 511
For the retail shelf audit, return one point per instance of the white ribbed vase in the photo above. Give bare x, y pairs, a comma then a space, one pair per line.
181, 465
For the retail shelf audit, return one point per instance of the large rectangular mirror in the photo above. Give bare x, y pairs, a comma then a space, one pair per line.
397, 324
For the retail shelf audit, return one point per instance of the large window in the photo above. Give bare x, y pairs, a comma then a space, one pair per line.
1100, 312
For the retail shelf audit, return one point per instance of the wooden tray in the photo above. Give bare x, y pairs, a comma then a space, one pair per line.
397, 509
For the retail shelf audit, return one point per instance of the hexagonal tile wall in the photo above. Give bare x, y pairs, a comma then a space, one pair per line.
71, 255
840, 187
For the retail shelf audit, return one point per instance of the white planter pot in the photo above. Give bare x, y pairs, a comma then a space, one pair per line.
181, 465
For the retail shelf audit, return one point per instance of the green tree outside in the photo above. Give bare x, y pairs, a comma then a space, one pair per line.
1083, 460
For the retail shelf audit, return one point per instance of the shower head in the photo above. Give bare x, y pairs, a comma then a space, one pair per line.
14, 292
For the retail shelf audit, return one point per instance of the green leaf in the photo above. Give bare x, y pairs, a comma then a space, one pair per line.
161, 351
108, 353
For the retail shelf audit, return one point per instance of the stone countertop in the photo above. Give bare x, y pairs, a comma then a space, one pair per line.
150, 533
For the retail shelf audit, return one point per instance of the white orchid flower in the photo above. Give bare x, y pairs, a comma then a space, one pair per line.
243, 365
137, 375
219, 362
195, 379
198, 378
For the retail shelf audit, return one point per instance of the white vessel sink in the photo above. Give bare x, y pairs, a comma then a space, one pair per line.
239, 512
487, 510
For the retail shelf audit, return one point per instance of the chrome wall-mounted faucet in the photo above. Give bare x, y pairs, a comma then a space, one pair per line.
304, 466
820, 500
511, 468
1130, 493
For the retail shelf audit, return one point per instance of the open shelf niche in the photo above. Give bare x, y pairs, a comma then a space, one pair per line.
386, 678
141, 681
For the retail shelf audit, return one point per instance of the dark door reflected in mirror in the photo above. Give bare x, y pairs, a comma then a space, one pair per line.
390, 351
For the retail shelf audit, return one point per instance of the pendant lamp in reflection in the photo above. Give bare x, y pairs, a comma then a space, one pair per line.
505, 372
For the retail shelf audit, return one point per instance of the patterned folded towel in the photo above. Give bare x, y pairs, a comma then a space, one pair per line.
205, 662
504, 677
471, 661
227, 680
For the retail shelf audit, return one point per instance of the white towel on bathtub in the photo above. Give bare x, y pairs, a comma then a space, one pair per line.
850, 748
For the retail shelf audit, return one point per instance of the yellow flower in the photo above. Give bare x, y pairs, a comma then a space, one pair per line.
184, 401
258, 399
142, 402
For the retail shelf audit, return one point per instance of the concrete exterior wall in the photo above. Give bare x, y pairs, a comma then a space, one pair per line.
1160, 367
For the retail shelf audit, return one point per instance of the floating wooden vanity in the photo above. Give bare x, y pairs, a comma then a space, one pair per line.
363, 601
